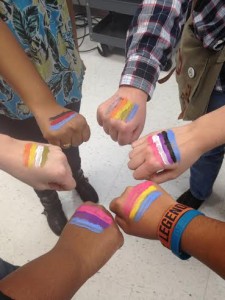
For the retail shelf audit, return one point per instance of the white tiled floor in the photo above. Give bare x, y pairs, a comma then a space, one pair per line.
142, 269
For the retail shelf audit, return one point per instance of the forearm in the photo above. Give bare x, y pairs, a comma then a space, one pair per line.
209, 131
20, 73
5, 150
56, 275
147, 46
204, 238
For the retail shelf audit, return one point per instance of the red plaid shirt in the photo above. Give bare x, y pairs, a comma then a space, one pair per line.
156, 30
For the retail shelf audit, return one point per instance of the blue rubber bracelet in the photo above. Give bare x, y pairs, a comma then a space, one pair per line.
178, 231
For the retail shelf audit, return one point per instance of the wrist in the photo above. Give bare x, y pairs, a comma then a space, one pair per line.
172, 226
201, 135
41, 102
5, 151
132, 93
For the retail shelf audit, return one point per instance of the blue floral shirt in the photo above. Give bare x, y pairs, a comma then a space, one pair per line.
44, 31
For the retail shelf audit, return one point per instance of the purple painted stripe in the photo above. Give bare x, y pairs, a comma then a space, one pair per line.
91, 218
165, 149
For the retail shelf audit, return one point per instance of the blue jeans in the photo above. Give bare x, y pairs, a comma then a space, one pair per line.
6, 268
206, 169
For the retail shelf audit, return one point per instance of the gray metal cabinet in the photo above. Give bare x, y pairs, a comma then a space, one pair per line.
111, 30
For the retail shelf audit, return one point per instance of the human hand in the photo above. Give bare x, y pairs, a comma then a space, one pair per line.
93, 235
87, 242
61, 126
154, 158
118, 121
140, 208
41, 166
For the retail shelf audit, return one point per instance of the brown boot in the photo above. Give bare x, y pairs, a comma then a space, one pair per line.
53, 210
84, 188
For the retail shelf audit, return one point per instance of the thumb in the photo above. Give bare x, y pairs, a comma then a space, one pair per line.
162, 176
121, 223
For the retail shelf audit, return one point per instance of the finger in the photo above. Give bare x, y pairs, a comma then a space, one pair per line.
136, 133
77, 138
115, 204
86, 133
162, 176
138, 150
66, 145
55, 186
106, 127
99, 116
136, 162
145, 171
124, 136
121, 223
54, 141
113, 133
139, 141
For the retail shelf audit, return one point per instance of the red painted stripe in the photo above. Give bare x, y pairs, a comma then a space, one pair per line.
58, 120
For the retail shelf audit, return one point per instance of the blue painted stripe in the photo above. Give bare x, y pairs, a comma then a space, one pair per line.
86, 224
146, 203
132, 113
172, 139
59, 125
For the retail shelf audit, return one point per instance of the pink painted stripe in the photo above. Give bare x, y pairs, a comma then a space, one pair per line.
133, 195
155, 151
96, 211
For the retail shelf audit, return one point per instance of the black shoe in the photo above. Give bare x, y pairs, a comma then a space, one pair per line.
84, 188
53, 211
188, 199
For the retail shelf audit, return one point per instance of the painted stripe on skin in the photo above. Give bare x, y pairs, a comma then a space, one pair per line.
95, 211
26, 153
132, 113
44, 155
35, 155
91, 218
140, 199
38, 155
86, 224
133, 195
146, 204
169, 146
155, 151
165, 148
60, 115
121, 111
59, 125
123, 101
32, 155
159, 147
61, 118
172, 139
125, 111
113, 105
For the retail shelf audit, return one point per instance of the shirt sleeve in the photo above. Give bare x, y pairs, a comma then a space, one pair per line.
209, 24
153, 34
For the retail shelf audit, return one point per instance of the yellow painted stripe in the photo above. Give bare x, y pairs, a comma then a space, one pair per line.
122, 114
140, 199
32, 155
